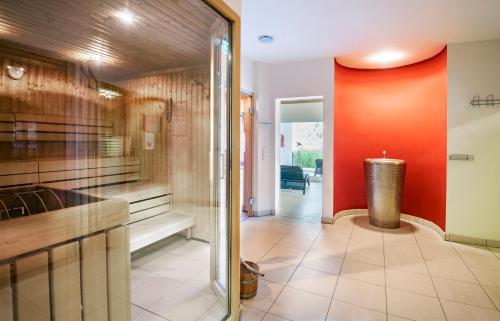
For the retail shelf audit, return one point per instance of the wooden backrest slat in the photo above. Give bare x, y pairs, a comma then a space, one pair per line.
62, 120
18, 168
8, 118
61, 128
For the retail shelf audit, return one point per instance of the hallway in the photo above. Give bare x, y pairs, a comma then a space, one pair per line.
354, 271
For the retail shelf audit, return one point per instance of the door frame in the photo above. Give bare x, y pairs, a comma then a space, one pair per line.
277, 147
248, 156
234, 158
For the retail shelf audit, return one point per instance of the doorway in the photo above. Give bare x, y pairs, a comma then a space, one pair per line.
246, 134
299, 157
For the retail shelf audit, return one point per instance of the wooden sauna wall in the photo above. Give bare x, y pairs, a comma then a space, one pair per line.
55, 88
180, 158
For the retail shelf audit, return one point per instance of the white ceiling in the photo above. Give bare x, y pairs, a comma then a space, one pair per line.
352, 30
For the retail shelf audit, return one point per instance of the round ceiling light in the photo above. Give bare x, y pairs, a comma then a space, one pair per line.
266, 39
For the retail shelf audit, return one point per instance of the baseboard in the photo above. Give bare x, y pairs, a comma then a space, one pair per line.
263, 213
472, 240
326, 220
404, 217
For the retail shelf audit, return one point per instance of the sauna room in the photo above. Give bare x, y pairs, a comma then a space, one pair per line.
114, 144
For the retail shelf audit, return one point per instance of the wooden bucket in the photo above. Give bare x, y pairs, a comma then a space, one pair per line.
249, 280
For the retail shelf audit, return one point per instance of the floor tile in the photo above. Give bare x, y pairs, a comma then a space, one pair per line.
272, 317
366, 255
322, 262
283, 254
408, 247
487, 277
173, 267
332, 249
363, 272
139, 314
201, 280
216, 313
250, 314
196, 250
395, 318
410, 282
277, 272
496, 251
406, 263
439, 251
414, 306
254, 250
494, 294
361, 293
147, 288
478, 256
267, 292
457, 271
463, 312
340, 311
184, 304
316, 282
301, 242
462, 292
297, 305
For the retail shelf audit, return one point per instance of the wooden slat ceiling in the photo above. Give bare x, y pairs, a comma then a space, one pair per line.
165, 33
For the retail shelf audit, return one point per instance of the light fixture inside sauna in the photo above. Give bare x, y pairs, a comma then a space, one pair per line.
108, 93
15, 73
125, 16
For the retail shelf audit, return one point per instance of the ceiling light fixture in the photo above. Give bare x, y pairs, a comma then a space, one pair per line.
386, 56
125, 16
266, 39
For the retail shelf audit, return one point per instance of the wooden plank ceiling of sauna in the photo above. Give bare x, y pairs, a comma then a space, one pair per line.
160, 34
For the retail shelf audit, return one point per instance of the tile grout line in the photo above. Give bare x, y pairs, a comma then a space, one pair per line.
295, 270
340, 271
478, 282
277, 242
385, 280
429, 272
149, 311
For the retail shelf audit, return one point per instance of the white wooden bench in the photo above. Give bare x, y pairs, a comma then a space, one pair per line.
151, 218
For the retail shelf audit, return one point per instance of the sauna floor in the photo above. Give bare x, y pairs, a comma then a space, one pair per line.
172, 283
351, 271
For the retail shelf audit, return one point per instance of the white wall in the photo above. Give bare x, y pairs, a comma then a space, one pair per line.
246, 75
263, 144
235, 5
311, 78
271, 82
473, 187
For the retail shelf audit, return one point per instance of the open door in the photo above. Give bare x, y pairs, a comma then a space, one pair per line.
246, 134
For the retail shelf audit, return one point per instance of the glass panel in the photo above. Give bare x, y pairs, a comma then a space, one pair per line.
114, 161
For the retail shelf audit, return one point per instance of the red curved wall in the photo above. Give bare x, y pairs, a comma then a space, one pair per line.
400, 110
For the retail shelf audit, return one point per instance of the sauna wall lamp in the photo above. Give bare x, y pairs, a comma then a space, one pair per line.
15, 73
266, 39
108, 93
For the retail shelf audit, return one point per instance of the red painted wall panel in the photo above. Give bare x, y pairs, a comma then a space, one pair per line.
400, 110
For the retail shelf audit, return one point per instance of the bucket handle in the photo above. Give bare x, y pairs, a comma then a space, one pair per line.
251, 269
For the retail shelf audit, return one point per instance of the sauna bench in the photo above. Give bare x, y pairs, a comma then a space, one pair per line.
151, 219
112, 178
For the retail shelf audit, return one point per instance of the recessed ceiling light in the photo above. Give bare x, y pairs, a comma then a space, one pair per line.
386, 56
125, 16
266, 39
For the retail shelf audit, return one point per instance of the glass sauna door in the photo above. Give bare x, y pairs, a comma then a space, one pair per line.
115, 153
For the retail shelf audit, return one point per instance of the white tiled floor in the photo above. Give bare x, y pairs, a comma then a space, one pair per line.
352, 271
172, 283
